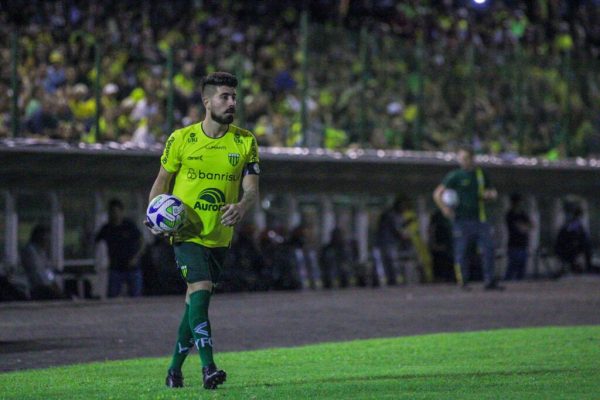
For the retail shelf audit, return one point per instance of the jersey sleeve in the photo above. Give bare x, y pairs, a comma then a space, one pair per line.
251, 166
253, 153
450, 180
171, 157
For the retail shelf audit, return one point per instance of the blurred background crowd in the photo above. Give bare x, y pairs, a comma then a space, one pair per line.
511, 77
298, 258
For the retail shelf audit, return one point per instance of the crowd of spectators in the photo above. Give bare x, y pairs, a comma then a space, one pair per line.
513, 77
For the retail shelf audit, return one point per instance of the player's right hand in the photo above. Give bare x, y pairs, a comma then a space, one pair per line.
448, 212
155, 232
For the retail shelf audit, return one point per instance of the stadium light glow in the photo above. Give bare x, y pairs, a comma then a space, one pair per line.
479, 1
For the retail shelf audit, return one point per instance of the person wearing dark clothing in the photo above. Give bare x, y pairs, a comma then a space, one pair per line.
519, 225
160, 272
440, 245
10, 290
388, 237
305, 259
125, 248
279, 260
336, 260
244, 265
573, 241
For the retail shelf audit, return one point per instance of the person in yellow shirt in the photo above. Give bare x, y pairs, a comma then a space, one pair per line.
210, 161
81, 104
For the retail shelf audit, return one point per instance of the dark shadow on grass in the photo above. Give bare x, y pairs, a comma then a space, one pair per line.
387, 377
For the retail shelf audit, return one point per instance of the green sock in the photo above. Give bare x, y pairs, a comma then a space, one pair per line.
200, 325
184, 341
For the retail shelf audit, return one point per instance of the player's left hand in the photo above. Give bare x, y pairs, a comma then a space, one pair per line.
232, 214
156, 232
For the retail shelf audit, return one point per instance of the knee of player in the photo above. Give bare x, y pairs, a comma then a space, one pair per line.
197, 286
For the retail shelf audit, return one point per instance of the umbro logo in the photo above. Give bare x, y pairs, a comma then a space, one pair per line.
192, 138
182, 349
199, 329
203, 342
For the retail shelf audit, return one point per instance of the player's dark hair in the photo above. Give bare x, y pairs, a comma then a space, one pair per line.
515, 198
38, 234
219, 79
400, 202
115, 203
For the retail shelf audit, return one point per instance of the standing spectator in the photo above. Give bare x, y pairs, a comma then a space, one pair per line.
160, 271
387, 239
82, 106
469, 217
440, 245
55, 73
279, 260
337, 259
412, 232
36, 263
519, 225
573, 241
125, 248
304, 256
244, 265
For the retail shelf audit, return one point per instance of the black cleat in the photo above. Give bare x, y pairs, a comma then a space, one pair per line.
174, 379
213, 377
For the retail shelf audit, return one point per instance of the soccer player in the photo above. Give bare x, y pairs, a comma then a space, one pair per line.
469, 218
209, 160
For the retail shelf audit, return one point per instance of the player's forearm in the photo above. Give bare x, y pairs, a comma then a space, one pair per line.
157, 188
437, 196
250, 192
161, 185
249, 198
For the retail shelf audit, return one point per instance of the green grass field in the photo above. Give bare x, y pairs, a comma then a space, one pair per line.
542, 363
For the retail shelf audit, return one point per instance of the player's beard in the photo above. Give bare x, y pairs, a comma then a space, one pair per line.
224, 119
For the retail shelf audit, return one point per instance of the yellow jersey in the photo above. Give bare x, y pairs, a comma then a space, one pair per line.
208, 174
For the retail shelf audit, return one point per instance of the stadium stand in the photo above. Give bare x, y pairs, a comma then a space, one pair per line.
511, 77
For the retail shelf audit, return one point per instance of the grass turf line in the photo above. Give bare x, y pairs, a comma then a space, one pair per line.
537, 363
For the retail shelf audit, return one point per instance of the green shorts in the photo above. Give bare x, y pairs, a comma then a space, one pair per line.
199, 263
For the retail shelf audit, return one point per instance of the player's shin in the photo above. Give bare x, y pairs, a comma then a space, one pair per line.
184, 342
200, 325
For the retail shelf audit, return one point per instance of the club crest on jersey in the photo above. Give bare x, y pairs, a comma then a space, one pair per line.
210, 199
183, 269
234, 159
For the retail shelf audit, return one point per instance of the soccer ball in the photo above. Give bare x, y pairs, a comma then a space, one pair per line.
166, 213
450, 198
